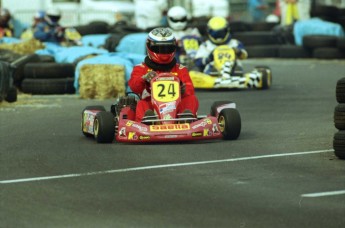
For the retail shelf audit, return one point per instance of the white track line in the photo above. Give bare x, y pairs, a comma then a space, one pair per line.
321, 194
160, 167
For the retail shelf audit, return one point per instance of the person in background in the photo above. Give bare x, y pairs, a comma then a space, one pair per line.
150, 13
257, 10
294, 10
161, 48
178, 22
218, 32
49, 29
38, 18
6, 27
28, 33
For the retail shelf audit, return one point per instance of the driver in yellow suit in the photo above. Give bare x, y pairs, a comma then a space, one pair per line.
218, 32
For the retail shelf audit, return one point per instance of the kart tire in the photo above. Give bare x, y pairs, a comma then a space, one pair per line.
48, 86
215, 105
49, 70
262, 51
339, 144
328, 53
11, 95
95, 107
340, 90
230, 123
293, 51
318, 41
339, 117
104, 127
266, 76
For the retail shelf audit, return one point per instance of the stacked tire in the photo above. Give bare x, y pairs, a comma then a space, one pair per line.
48, 78
324, 47
339, 120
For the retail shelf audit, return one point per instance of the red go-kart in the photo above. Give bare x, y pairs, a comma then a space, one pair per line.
166, 125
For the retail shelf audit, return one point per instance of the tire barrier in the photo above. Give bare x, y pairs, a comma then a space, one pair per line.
339, 120
48, 78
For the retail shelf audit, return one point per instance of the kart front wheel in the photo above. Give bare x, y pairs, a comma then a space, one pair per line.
104, 127
229, 120
93, 107
266, 77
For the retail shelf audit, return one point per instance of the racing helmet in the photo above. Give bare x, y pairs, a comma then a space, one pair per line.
161, 45
218, 30
177, 18
52, 15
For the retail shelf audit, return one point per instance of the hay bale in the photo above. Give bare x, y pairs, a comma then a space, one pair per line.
101, 81
25, 47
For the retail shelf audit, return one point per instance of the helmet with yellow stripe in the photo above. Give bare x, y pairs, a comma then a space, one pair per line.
218, 30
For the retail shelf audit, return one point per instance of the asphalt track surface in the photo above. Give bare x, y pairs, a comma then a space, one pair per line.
281, 172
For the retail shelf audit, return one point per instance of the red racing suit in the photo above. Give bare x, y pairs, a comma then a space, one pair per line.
139, 86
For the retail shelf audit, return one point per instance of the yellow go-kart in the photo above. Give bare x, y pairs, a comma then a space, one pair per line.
228, 75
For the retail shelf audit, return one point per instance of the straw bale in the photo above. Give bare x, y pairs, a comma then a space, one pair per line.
25, 47
101, 81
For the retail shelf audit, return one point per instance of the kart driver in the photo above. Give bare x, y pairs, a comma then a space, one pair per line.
178, 21
49, 29
161, 48
218, 33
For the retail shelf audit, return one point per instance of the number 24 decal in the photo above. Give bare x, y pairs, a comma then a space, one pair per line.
163, 92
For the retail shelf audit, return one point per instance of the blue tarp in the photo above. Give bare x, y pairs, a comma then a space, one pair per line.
316, 26
133, 43
10, 40
71, 54
94, 40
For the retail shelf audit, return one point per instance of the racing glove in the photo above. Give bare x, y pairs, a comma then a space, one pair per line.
149, 75
239, 53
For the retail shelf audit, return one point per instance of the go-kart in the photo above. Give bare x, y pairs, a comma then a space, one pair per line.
228, 74
166, 125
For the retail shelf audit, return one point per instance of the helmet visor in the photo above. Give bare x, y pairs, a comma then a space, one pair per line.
218, 34
183, 19
162, 47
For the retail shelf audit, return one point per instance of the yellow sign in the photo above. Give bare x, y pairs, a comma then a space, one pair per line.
166, 91
170, 127
223, 54
190, 44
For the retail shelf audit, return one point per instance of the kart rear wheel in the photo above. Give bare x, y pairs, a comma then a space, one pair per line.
94, 107
266, 76
216, 104
104, 127
230, 123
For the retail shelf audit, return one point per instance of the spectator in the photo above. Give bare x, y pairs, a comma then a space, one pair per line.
6, 27
150, 13
257, 10
49, 29
29, 32
293, 10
